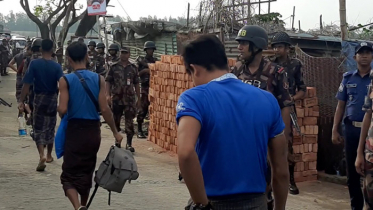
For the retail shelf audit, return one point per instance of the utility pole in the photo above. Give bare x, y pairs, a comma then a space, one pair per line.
260, 3
292, 25
248, 12
343, 19
188, 15
321, 26
299, 25
106, 38
269, 7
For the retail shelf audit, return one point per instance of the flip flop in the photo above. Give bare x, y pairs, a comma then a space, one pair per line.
50, 161
41, 166
83, 208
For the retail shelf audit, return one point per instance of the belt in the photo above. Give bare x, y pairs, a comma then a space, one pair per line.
357, 124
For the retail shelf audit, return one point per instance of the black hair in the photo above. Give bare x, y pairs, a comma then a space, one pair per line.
47, 45
206, 51
77, 51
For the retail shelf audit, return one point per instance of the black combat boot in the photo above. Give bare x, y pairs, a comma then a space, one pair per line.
293, 189
140, 133
129, 144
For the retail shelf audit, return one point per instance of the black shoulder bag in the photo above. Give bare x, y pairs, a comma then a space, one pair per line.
89, 92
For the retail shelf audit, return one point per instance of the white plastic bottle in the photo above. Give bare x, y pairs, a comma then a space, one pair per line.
22, 131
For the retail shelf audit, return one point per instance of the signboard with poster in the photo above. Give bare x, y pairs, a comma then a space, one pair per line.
96, 7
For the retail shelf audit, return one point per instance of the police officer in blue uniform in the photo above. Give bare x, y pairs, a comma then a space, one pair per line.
351, 96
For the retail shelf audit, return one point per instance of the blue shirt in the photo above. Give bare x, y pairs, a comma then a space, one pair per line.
353, 90
237, 121
80, 105
44, 76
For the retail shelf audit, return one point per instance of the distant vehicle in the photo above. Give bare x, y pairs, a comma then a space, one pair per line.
18, 44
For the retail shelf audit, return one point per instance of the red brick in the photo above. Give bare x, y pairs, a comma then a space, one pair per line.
309, 139
296, 149
305, 148
316, 108
309, 157
300, 179
300, 112
298, 174
298, 157
309, 121
310, 102
298, 103
300, 121
306, 166
314, 148
312, 165
297, 140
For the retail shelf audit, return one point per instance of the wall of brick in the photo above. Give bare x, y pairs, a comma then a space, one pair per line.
305, 146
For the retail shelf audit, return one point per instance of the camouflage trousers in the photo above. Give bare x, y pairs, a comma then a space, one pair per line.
368, 186
129, 112
144, 105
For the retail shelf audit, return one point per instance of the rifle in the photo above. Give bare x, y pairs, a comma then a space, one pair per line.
294, 119
3, 102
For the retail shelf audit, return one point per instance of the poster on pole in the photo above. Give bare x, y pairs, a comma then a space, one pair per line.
96, 7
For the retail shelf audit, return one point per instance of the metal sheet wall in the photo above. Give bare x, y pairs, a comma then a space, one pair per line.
165, 43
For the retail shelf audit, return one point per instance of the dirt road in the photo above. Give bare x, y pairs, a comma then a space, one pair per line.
157, 188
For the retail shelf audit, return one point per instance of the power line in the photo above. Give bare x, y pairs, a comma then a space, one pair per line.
124, 10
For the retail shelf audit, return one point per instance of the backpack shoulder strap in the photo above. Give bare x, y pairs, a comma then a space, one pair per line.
92, 196
89, 92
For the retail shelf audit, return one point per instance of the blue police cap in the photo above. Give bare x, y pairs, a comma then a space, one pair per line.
363, 45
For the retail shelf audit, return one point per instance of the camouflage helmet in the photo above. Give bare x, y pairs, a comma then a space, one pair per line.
100, 45
281, 38
255, 34
92, 43
149, 45
36, 43
114, 47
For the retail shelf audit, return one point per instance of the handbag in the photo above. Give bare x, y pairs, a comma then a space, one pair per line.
87, 90
60, 137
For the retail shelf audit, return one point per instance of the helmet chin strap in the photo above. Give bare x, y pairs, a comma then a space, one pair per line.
253, 53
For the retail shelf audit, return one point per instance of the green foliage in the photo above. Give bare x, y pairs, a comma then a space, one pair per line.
273, 17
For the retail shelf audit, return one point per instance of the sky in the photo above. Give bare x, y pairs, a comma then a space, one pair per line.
307, 11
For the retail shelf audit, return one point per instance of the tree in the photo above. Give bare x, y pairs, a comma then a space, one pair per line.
49, 16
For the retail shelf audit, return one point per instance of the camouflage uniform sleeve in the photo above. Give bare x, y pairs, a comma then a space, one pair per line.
367, 107
110, 75
299, 82
280, 89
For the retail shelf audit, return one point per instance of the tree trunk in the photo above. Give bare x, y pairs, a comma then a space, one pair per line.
44, 30
343, 19
86, 24
65, 28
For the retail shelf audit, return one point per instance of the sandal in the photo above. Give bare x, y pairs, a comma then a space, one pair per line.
41, 166
50, 161
82, 208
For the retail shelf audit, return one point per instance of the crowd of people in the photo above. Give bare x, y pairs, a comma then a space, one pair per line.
211, 124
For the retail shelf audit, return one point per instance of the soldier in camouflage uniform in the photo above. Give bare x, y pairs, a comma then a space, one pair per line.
281, 44
59, 53
92, 55
113, 53
144, 73
4, 56
36, 54
262, 73
101, 66
122, 85
67, 66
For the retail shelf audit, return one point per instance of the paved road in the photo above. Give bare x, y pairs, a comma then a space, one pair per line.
157, 188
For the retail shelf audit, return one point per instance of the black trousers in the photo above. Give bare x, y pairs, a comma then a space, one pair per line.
352, 135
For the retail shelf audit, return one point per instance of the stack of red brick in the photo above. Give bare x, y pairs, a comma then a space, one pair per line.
305, 145
168, 80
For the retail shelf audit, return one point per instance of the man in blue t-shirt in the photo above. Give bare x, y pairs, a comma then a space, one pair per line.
224, 129
43, 74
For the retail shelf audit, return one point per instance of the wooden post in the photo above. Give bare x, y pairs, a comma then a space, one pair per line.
188, 15
299, 25
321, 26
292, 25
343, 19
248, 12
269, 7
260, 3
200, 14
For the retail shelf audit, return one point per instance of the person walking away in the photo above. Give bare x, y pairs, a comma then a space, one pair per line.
113, 54
144, 73
219, 103
4, 52
44, 74
59, 53
83, 134
122, 87
92, 54
351, 95
262, 73
18, 60
101, 59
281, 44
29, 101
